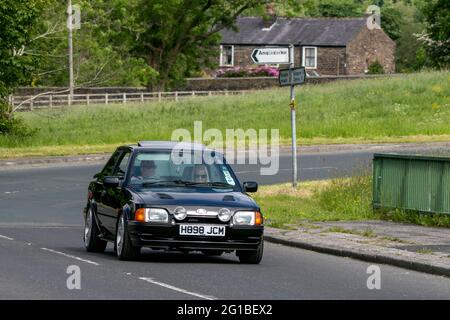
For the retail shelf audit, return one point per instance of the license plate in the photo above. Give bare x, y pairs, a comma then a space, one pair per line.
202, 230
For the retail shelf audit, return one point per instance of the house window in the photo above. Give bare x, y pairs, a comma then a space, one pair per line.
226, 56
309, 57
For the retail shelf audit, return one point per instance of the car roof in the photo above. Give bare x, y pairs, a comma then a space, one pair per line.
169, 145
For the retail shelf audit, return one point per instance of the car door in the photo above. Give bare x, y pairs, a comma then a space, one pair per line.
99, 190
112, 199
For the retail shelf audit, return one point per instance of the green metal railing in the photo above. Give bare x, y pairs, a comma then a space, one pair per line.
419, 183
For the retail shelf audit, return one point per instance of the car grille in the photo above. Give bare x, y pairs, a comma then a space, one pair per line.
210, 220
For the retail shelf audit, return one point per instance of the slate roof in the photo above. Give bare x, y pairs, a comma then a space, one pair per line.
304, 31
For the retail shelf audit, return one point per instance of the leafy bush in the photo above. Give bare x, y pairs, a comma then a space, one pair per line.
376, 68
10, 125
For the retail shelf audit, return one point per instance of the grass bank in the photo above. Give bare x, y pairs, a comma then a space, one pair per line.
331, 200
407, 108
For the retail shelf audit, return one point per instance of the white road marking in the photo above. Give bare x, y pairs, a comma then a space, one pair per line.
71, 256
5, 237
168, 286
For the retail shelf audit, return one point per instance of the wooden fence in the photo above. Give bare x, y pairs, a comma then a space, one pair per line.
28, 102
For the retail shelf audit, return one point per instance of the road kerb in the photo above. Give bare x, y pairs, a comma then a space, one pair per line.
376, 258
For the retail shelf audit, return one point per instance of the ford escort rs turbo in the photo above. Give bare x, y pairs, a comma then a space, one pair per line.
172, 196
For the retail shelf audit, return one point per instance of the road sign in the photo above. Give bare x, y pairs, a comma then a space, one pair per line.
270, 55
290, 77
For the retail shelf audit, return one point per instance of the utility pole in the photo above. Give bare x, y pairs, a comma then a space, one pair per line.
70, 29
293, 124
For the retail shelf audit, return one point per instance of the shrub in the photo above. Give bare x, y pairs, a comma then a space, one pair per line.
375, 68
11, 125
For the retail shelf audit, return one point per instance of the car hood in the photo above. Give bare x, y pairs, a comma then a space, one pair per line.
194, 198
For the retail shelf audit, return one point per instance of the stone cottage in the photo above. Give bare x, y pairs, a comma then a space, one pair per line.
324, 46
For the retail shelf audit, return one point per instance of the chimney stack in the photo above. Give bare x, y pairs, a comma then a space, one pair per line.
270, 16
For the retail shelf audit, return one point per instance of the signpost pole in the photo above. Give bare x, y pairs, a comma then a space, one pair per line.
70, 29
293, 124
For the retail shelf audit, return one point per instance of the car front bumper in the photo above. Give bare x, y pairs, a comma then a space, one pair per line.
166, 236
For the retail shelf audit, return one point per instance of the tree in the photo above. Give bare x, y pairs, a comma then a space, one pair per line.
18, 21
101, 57
436, 36
177, 38
333, 8
409, 52
391, 20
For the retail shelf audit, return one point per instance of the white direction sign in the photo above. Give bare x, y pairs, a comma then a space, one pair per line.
270, 55
290, 77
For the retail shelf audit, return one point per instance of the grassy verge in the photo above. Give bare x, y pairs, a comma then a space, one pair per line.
409, 108
331, 200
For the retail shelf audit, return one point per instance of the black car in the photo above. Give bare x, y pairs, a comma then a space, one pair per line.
172, 196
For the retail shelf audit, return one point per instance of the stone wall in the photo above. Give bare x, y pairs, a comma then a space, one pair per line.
201, 84
367, 47
331, 61
213, 84
255, 83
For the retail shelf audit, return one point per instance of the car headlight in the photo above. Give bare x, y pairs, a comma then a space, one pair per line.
247, 218
224, 215
180, 213
157, 215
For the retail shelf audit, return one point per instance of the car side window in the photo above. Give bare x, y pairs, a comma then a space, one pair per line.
121, 169
108, 170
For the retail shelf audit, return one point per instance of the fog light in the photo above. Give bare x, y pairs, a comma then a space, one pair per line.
224, 215
179, 213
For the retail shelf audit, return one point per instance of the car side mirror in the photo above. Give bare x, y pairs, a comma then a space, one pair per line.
97, 175
250, 186
111, 182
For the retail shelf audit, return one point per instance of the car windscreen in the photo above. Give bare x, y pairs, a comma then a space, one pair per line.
153, 169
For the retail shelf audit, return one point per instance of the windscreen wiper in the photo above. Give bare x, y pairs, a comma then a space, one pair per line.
209, 184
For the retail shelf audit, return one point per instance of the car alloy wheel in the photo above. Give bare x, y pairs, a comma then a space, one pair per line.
124, 247
88, 228
120, 235
92, 236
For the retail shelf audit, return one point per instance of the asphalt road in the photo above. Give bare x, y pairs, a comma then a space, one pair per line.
41, 235
56, 194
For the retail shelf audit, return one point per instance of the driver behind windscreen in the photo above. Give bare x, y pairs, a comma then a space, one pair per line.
148, 170
200, 173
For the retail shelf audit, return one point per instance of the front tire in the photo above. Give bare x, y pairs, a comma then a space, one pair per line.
253, 256
124, 248
92, 242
